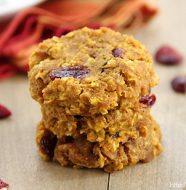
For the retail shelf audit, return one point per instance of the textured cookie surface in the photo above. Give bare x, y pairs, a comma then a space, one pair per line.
98, 126
89, 71
94, 90
130, 146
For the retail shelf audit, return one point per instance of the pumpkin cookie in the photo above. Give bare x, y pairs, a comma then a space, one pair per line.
89, 71
114, 152
94, 90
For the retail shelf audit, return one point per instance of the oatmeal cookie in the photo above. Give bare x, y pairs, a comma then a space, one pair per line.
96, 126
141, 144
94, 90
89, 71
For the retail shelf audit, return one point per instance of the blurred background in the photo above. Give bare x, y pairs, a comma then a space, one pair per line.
23, 25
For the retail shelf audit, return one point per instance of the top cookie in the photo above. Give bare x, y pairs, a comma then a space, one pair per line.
89, 71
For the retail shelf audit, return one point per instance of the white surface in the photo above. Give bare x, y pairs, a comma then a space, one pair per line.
9, 7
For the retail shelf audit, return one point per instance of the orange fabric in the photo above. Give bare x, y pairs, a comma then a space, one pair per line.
57, 17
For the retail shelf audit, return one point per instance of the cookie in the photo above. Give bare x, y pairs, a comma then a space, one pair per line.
89, 71
94, 90
96, 126
140, 144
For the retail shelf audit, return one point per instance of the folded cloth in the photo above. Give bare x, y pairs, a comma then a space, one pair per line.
58, 17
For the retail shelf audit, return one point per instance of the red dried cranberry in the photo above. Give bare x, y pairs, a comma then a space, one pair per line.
116, 135
148, 100
179, 84
75, 71
48, 143
117, 52
3, 185
4, 112
167, 55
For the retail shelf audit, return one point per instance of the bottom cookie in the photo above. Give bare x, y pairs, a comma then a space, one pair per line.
142, 144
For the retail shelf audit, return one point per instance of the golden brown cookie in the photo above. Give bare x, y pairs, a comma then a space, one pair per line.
130, 146
90, 71
94, 90
96, 126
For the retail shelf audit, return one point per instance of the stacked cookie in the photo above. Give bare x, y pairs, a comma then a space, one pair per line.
93, 87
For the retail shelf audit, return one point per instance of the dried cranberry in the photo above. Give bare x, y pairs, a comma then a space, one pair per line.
48, 143
3, 185
179, 84
148, 100
116, 135
75, 71
4, 112
167, 55
117, 52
